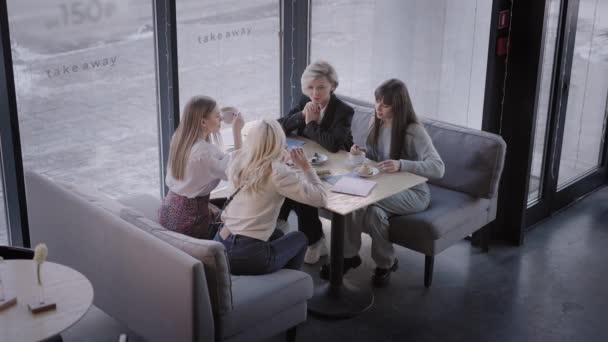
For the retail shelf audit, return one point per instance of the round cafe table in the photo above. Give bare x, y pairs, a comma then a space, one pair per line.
71, 291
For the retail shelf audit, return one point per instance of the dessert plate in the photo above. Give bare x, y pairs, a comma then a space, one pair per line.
318, 159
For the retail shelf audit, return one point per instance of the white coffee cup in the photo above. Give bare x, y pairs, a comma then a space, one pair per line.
356, 159
228, 114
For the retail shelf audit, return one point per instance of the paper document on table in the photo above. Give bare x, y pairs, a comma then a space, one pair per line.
291, 143
353, 186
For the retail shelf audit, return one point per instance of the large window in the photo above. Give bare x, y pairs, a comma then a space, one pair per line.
86, 91
230, 50
438, 48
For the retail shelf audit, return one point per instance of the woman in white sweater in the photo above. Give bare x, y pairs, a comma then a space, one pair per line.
398, 142
196, 166
261, 181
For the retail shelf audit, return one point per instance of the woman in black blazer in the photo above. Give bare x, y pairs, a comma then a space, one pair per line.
324, 118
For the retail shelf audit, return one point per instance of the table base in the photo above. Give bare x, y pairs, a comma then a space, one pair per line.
345, 301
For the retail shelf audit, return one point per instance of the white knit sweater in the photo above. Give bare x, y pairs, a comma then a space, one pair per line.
254, 214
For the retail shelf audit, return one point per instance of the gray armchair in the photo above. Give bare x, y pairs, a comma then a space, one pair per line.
464, 201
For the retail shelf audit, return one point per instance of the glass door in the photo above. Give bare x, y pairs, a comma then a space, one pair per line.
569, 156
585, 117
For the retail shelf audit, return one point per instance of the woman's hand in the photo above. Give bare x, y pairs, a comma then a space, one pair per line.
298, 157
238, 123
237, 127
356, 149
312, 112
285, 158
389, 166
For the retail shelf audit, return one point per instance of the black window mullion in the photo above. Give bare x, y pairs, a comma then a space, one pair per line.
167, 85
518, 114
12, 163
495, 72
295, 49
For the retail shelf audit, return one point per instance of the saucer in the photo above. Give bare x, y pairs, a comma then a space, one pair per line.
375, 172
318, 159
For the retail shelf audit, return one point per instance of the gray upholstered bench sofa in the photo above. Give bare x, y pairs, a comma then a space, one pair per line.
162, 285
464, 201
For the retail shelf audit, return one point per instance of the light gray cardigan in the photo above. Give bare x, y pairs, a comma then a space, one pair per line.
419, 157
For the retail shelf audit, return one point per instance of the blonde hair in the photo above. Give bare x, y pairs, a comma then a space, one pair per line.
316, 70
189, 132
252, 165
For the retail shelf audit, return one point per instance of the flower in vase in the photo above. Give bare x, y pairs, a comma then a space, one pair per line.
40, 254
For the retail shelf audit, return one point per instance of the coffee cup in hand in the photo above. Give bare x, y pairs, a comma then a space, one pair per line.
228, 114
356, 157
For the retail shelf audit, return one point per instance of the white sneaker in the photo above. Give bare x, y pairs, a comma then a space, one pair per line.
316, 251
283, 226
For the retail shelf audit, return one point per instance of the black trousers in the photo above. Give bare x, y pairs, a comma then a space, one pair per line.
308, 219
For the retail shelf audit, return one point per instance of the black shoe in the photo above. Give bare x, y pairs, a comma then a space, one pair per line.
349, 263
382, 276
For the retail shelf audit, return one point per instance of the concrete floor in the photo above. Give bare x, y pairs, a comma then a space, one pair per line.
550, 289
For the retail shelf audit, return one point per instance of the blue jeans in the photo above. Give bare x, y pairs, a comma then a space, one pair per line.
249, 256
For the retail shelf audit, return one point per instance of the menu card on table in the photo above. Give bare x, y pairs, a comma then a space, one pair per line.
353, 186
291, 143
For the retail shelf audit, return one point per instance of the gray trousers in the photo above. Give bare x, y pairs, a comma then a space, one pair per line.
373, 220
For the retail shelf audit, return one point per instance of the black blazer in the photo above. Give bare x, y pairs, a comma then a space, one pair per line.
333, 133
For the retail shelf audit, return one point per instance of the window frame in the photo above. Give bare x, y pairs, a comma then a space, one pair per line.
295, 47
11, 162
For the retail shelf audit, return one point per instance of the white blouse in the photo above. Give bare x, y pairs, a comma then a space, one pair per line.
207, 165
322, 113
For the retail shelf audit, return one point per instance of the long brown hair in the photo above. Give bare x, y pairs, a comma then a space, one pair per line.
394, 93
189, 132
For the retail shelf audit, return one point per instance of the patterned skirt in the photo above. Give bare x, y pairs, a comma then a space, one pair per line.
189, 216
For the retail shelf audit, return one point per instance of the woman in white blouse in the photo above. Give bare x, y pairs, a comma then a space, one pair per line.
261, 181
196, 166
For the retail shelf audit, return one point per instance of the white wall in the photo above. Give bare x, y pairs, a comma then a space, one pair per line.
438, 48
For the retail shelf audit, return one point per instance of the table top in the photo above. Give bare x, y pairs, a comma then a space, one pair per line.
387, 184
69, 289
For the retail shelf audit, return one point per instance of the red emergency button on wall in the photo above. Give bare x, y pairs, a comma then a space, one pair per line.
503, 19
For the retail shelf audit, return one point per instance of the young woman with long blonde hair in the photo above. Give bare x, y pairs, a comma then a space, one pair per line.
261, 181
196, 166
